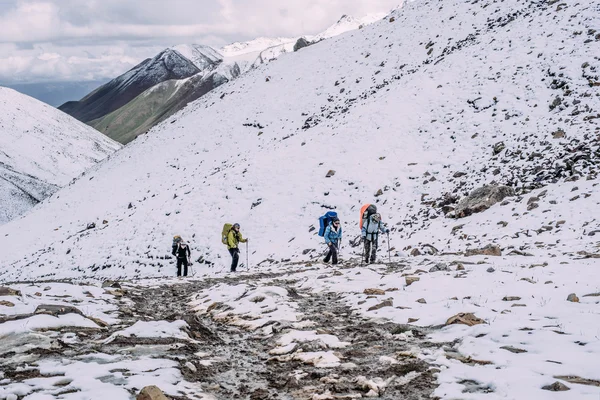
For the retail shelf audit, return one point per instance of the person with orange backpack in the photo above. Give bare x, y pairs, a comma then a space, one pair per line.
371, 225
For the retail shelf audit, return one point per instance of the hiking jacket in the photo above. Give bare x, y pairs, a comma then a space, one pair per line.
370, 230
181, 252
234, 238
332, 235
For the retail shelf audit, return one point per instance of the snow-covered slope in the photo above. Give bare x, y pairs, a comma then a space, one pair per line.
380, 106
41, 149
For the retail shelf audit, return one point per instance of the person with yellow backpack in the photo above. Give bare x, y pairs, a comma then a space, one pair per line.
231, 236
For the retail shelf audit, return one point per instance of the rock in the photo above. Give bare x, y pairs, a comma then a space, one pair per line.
411, 279
498, 147
411, 320
489, 250
439, 267
6, 303
490, 270
460, 267
513, 349
386, 303
330, 173
151, 393
468, 319
422, 301
379, 193
6, 291
481, 199
592, 295
511, 298
91, 225
191, 367
111, 284
55, 310
392, 19
532, 206
415, 252
301, 43
556, 387
372, 291
559, 134
573, 298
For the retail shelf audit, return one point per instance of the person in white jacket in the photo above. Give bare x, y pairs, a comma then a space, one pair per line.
371, 228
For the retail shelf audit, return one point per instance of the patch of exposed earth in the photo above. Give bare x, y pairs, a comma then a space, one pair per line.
322, 350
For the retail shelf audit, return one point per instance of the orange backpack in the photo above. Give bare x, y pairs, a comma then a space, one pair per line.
364, 213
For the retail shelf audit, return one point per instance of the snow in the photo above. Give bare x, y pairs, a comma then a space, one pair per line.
154, 329
256, 151
41, 149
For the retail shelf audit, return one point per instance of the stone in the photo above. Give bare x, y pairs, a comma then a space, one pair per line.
578, 380
489, 250
532, 206
490, 270
6, 303
513, 349
460, 267
330, 173
411, 279
511, 298
379, 193
6, 291
301, 43
415, 252
573, 298
372, 291
481, 199
498, 147
422, 301
468, 319
111, 284
592, 295
439, 267
559, 134
56, 309
385, 303
556, 387
411, 320
151, 393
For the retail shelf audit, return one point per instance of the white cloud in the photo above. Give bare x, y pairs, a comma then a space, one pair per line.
58, 40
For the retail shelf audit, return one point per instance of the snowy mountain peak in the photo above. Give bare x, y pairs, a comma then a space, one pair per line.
204, 57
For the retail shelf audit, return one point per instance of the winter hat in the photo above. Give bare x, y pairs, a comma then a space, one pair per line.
236, 225
335, 219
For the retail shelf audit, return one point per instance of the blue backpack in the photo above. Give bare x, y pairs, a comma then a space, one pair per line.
325, 220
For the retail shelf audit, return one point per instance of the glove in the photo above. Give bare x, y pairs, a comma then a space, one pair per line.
387, 231
329, 244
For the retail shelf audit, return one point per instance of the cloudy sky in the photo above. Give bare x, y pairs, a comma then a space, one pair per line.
81, 40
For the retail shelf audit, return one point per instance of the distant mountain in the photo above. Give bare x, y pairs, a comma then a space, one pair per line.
168, 64
155, 105
41, 150
155, 89
56, 93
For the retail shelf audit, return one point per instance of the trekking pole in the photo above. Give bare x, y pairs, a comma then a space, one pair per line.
247, 264
389, 256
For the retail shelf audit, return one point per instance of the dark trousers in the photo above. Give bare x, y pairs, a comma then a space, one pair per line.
181, 261
370, 247
332, 254
235, 257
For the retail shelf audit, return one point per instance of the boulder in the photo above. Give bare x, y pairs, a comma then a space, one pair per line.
56, 309
371, 292
330, 173
6, 303
411, 279
481, 199
556, 387
301, 43
573, 298
6, 291
468, 319
386, 303
489, 250
151, 393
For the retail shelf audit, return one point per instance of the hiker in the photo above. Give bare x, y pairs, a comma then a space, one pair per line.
333, 238
182, 251
234, 237
371, 227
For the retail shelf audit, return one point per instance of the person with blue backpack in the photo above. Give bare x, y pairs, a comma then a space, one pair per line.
333, 239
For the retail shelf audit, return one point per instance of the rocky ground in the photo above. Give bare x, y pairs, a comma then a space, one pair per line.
331, 351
